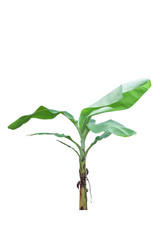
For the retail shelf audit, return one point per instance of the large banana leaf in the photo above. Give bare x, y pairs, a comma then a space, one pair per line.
111, 126
41, 113
123, 97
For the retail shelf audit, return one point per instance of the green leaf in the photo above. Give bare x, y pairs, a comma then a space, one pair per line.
123, 97
98, 138
59, 135
69, 147
108, 128
111, 126
42, 113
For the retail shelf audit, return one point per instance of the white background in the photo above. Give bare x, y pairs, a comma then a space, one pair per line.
66, 55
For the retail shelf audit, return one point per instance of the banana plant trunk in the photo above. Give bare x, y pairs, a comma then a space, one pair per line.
83, 189
83, 173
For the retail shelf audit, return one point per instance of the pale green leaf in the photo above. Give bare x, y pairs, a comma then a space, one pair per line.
123, 97
111, 126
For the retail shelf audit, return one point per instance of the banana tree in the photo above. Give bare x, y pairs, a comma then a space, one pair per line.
121, 98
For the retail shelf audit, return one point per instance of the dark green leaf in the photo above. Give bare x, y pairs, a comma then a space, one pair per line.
42, 113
